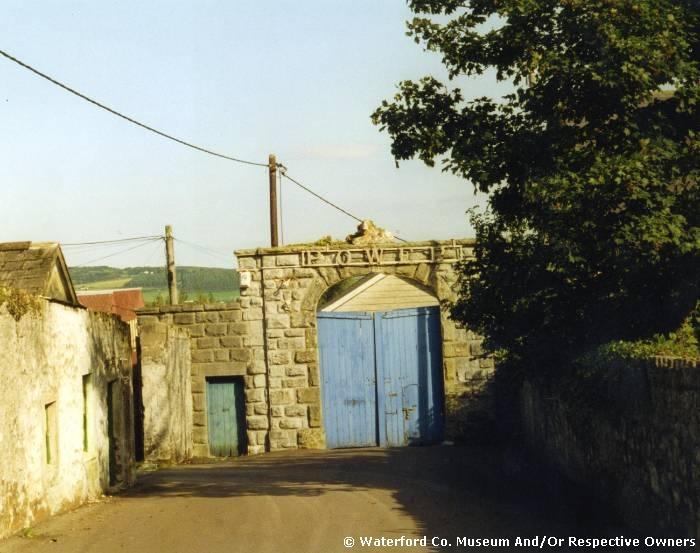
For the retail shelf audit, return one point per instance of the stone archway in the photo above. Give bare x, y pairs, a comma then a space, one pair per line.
285, 285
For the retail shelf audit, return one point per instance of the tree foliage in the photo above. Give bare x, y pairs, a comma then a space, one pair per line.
591, 164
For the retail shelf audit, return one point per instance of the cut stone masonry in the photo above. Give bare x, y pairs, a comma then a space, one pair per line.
269, 337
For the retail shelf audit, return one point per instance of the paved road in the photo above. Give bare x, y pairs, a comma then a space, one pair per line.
308, 502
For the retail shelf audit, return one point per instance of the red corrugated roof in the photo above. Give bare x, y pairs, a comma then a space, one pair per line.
119, 302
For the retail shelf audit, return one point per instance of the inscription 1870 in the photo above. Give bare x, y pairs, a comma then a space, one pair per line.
382, 256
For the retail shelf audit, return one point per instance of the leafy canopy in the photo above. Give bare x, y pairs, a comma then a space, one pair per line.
591, 163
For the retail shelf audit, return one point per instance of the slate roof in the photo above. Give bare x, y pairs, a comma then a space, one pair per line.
38, 268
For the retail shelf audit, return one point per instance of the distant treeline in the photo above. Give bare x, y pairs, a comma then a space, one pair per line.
209, 279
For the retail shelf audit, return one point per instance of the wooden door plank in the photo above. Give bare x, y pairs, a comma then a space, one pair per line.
346, 344
409, 361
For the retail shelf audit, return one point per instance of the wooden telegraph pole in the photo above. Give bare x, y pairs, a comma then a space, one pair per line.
170, 257
272, 166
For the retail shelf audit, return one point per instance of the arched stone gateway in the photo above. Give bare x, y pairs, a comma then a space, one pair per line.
281, 289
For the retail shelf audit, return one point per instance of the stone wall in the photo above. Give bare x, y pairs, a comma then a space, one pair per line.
631, 435
166, 392
268, 337
226, 339
57, 368
288, 283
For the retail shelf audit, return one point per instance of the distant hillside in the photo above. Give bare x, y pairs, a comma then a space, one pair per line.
194, 283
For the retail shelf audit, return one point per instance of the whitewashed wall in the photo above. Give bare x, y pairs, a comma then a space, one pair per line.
43, 358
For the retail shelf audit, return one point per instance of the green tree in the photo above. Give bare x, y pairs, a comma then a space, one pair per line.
590, 165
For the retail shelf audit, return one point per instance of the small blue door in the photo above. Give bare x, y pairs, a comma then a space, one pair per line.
381, 377
225, 416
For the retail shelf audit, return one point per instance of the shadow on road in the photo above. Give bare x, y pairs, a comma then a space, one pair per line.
448, 491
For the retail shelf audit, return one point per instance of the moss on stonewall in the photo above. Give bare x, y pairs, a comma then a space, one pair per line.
18, 302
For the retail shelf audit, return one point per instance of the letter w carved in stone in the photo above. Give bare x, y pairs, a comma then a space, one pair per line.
374, 255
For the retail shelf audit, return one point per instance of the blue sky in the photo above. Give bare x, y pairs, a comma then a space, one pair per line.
298, 79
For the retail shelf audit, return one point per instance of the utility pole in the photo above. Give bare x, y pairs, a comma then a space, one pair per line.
170, 257
272, 166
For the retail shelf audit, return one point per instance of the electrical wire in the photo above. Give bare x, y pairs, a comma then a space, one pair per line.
126, 117
104, 247
283, 170
116, 241
117, 253
156, 249
204, 249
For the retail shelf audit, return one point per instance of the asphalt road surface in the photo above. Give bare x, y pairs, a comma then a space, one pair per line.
312, 501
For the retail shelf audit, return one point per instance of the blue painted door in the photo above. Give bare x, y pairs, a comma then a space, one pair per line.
348, 379
225, 417
409, 360
346, 344
381, 377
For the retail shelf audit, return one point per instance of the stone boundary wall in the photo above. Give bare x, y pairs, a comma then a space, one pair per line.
226, 339
635, 443
166, 392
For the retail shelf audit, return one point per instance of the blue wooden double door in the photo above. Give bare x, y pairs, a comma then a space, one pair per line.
381, 377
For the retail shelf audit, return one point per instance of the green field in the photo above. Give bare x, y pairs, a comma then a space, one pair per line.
196, 284
104, 284
151, 294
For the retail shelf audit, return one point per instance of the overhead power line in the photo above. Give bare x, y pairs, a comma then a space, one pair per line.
204, 249
140, 245
157, 248
126, 117
116, 241
283, 169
